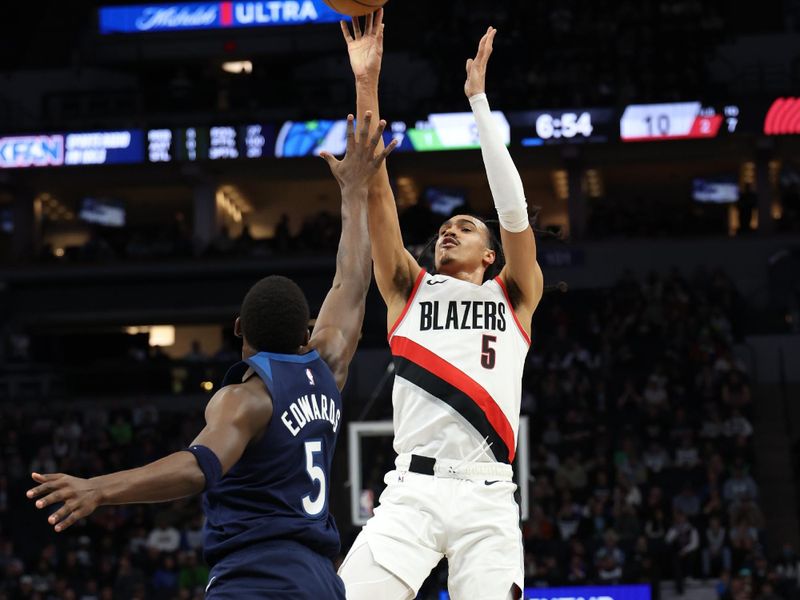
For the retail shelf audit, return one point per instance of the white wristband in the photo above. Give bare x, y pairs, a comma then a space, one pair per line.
504, 180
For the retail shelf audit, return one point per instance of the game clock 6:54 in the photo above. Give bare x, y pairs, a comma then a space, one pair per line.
566, 125
562, 126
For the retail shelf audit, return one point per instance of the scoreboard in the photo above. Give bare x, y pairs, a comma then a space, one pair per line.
437, 132
218, 142
563, 126
677, 120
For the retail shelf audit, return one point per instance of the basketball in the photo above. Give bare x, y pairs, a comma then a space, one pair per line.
355, 8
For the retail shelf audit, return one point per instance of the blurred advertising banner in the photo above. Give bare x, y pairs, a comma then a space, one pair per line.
147, 18
611, 592
72, 149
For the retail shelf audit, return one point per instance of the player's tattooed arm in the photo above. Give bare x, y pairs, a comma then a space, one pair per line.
234, 416
395, 268
338, 326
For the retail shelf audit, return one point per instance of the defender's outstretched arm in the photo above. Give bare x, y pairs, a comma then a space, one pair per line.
338, 325
233, 417
395, 268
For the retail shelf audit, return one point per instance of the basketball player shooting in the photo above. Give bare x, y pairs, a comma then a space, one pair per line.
459, 337
263, 458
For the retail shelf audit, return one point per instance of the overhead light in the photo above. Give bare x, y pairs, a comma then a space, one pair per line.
161, 335
238, 67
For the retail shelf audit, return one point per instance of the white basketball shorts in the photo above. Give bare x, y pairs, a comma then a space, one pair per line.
466, 513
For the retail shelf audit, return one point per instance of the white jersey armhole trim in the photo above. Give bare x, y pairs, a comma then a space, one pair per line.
409, 302
522, 331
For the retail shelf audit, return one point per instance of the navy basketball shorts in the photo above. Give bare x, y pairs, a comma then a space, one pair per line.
277, 569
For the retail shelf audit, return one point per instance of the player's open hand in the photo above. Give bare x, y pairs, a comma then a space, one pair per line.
80, 497
362, 160
365, 48
476, 67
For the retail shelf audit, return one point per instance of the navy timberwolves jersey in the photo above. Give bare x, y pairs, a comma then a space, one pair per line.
278, 490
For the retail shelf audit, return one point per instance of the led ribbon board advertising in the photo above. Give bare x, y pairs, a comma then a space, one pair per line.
608, 592
80, 148
441, 131
783, 117
147, 18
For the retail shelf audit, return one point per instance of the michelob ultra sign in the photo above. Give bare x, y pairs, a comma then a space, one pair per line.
148, 18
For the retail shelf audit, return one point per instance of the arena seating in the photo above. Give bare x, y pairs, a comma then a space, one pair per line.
642, 461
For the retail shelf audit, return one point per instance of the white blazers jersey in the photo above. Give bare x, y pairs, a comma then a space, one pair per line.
459, 352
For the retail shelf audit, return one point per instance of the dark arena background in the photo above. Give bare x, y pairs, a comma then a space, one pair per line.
157, 160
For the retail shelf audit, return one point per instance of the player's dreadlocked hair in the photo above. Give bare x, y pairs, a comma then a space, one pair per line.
275, 315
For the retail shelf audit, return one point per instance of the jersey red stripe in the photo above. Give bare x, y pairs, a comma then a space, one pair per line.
408, 304
513, 312
426, 359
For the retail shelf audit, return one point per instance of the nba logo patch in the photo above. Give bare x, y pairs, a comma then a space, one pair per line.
310, 376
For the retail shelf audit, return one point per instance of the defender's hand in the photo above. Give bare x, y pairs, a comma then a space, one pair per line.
476, 67
360, 163
365, 49
80, 497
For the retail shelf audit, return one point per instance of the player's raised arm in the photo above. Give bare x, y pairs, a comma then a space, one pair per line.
338, 325
521, 272
395, 268
234, 416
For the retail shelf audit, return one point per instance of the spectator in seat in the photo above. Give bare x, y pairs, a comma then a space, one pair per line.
572, 474
164, 537
643, 567
609, 560
687, 456
656, 458
744, 541
683, 542
735, 391
740, 485
713, 426
687, 502
655, 393
716, 552
748, 511
594, 522
129, 579
568, 518
165, 579
737, 425
193, 575
577, 573
193, 533
768, 592
787, 569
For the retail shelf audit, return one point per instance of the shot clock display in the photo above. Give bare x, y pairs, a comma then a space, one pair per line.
676, 121
570, 126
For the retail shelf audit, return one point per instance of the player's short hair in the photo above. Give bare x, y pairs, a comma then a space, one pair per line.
274, 316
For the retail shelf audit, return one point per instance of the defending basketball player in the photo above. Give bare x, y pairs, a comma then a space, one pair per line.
459, 338
263, 459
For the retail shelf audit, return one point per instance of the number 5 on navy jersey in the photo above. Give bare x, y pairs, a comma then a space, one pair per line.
316, 473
